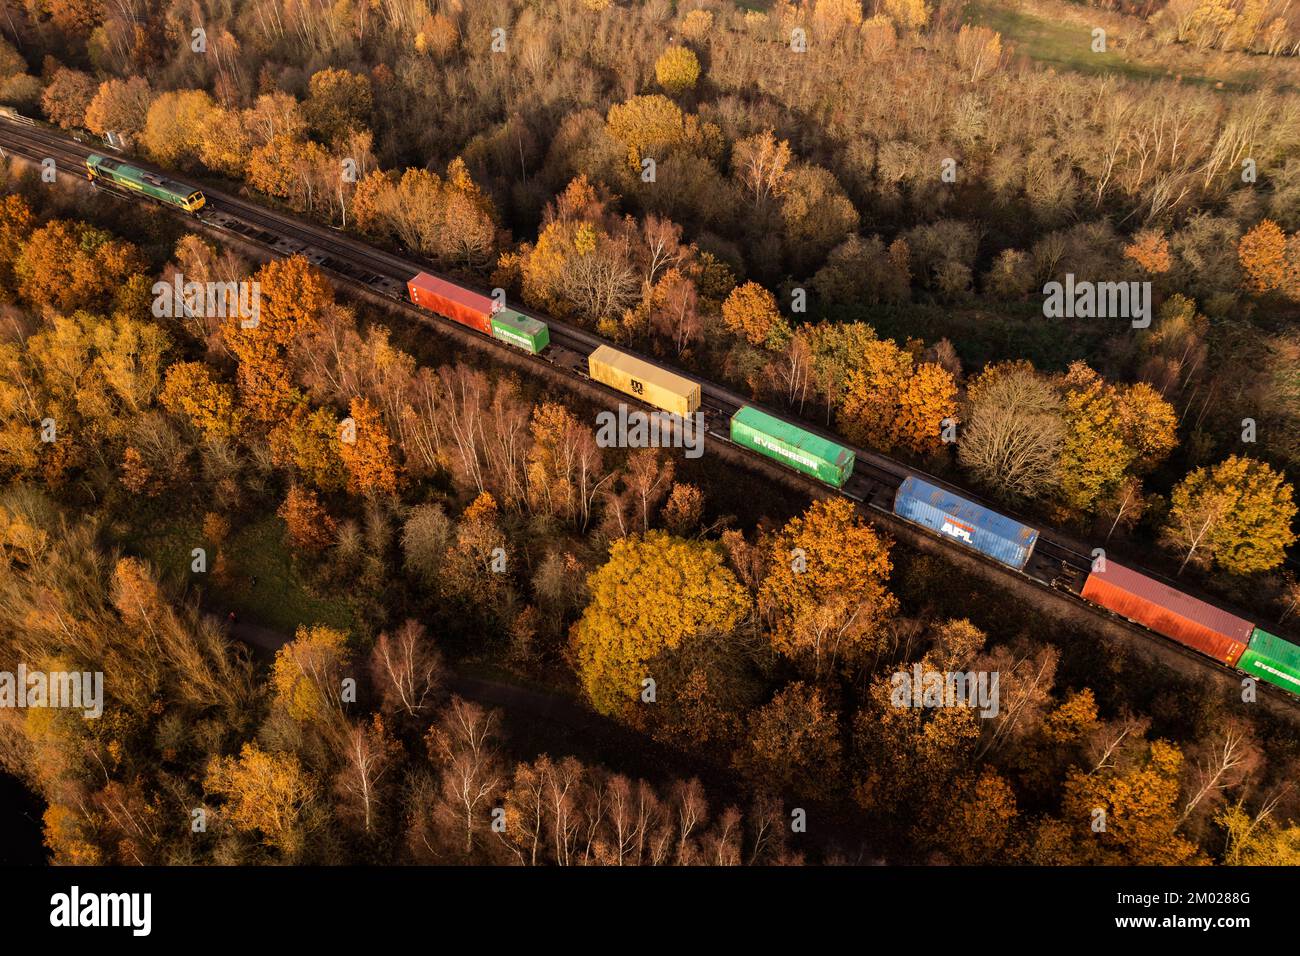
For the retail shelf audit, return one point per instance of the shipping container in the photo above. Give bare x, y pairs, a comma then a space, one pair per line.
952, 516
650, 383
792, 446
451, 301
1272, 658
519, 330
1168, 611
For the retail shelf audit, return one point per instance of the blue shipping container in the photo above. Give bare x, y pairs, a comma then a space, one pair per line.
952, 516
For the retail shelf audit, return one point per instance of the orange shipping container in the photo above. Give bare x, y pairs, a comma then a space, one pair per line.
1168, 611
450, 300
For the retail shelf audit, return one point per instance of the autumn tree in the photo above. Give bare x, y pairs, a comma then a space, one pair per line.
293, 296
647, 126
16, 224
1260, 838
696, 25
407, 669
906, 757
653, 592
565, 465
584, 260
366, 450
1014, 431
1111, 431
308, 525
862, 270
1150, 250
307, 680
450, 219
310, 443
369, 754
268, 794
193, 393
979, 828
68, 96
1262, 253
464, 748
121, 107
677, 70
751, 311
174, 126
338, 102
1236, 514
761, 164
826, 587
792, 744
74, 265
892, 402
1134, 793
979, 50
908, 14
816, 215
683, 510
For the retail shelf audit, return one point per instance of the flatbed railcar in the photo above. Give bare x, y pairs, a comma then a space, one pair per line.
133, 179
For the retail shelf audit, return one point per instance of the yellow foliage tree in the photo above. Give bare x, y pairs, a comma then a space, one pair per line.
653, 593
265, 793
677, 70
1142, 812
369, 458
890, 402
908, 14
647, 126
750, 310
1237, 514
191, 391
308, 674
826, 587
1262, 252
174, 126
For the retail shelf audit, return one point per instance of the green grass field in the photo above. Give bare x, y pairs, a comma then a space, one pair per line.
1067, 45
261, 583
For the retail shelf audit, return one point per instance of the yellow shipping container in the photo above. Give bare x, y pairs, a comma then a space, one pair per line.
650, 383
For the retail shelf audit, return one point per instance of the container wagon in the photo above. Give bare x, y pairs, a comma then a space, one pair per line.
519, 330
137, 180
792, 446
1168, 611
452, 302
650, 383
975, 526
1272, 658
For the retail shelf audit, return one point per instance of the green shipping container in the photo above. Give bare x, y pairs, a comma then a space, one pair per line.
792, 446
1273, 659
519, 330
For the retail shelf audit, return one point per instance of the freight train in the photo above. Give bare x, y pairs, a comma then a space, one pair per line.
120, 175
1187, 620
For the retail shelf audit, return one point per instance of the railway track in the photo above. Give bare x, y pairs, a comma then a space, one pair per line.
1059, 562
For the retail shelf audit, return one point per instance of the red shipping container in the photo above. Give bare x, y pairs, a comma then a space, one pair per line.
451, 301
1170, 612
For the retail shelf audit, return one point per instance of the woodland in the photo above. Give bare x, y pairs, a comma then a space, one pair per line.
845, 210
